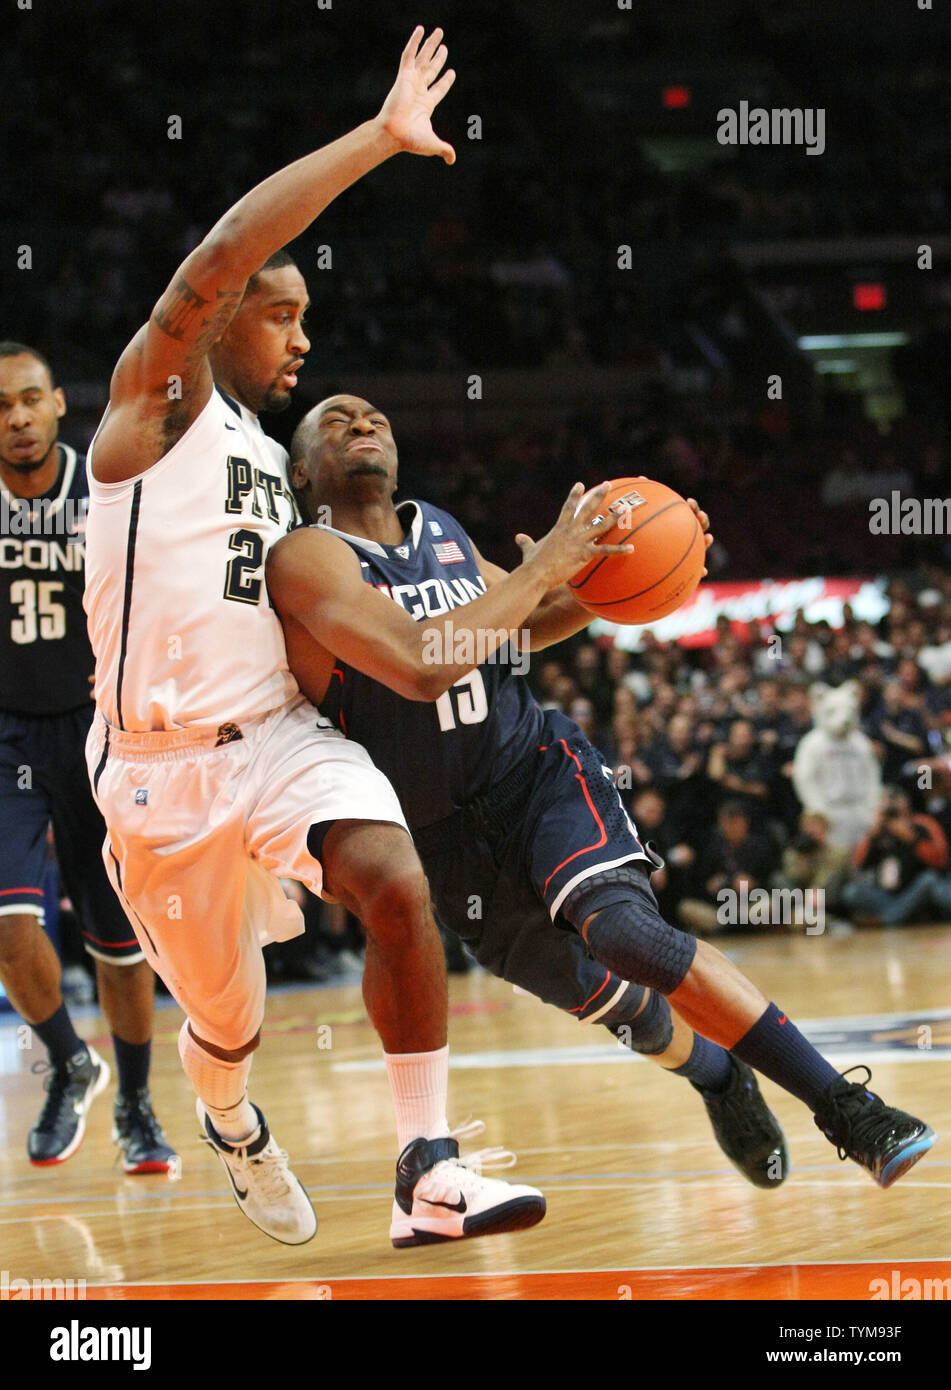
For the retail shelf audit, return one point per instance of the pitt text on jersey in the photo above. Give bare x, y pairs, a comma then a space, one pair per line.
250, 485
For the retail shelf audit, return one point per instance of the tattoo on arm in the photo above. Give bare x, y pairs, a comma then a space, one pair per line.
178, 311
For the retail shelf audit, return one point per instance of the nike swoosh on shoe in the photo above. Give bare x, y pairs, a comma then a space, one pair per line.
452, 1206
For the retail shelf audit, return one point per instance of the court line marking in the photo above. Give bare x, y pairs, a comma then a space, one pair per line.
599, 1055
170, 1192
634, 1174
570, 1184
166, 1196
801, 1136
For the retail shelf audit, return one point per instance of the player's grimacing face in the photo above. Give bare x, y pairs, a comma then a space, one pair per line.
265, 343
351, 439
30, 411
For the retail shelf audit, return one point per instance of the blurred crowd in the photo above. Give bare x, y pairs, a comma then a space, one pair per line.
493, 264
703, 744
811, 480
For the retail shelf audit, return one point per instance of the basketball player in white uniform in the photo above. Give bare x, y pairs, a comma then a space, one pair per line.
214, 775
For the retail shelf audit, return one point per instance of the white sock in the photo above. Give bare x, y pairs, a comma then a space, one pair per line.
222, 1088
419, 1084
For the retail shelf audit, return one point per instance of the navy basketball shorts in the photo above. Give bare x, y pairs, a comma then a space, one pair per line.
500, 869
43, 783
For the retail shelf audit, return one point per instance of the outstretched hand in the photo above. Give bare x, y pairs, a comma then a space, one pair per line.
575, 537
405, 115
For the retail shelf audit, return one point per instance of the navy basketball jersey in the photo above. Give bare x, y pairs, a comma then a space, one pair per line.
45, 656
438, 755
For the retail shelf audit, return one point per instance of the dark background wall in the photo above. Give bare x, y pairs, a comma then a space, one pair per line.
506, 265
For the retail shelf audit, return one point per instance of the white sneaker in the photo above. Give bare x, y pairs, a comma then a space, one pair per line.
440, 1197
264, 1187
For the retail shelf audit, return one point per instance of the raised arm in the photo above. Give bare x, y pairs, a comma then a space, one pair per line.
146, 416
316, 585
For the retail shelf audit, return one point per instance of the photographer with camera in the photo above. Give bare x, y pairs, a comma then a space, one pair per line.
900, 863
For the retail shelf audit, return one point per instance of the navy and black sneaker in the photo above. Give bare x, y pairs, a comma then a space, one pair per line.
746, 1130
70, 1090
139, 1137
884, 1141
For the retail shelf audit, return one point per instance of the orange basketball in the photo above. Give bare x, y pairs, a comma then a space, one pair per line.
666, 564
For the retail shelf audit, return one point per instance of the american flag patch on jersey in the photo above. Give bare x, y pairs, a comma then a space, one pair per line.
448, 553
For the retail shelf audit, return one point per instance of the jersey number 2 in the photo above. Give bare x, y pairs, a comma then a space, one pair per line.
35, 601
240, 584
472, 705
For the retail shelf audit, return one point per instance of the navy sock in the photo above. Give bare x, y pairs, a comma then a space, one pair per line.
775, 1047
708, 1065
132, 1064
59, 1037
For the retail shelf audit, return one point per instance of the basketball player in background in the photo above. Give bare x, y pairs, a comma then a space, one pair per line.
46, 709
511, 807
214, 774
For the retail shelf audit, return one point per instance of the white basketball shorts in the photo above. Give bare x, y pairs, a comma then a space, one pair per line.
201, 823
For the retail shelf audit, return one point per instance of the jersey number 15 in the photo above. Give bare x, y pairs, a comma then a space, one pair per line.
472, 704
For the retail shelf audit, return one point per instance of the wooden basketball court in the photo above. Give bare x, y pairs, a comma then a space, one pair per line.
641, 1203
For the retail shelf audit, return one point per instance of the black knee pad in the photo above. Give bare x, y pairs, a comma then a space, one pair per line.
624, 1005
651, 1031
629, 936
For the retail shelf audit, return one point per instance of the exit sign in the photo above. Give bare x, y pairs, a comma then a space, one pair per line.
869, 295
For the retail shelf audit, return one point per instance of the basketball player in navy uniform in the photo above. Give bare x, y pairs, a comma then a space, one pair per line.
511, 808
46, 709
215, 776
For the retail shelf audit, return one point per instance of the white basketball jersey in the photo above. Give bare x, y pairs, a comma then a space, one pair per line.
179, 615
